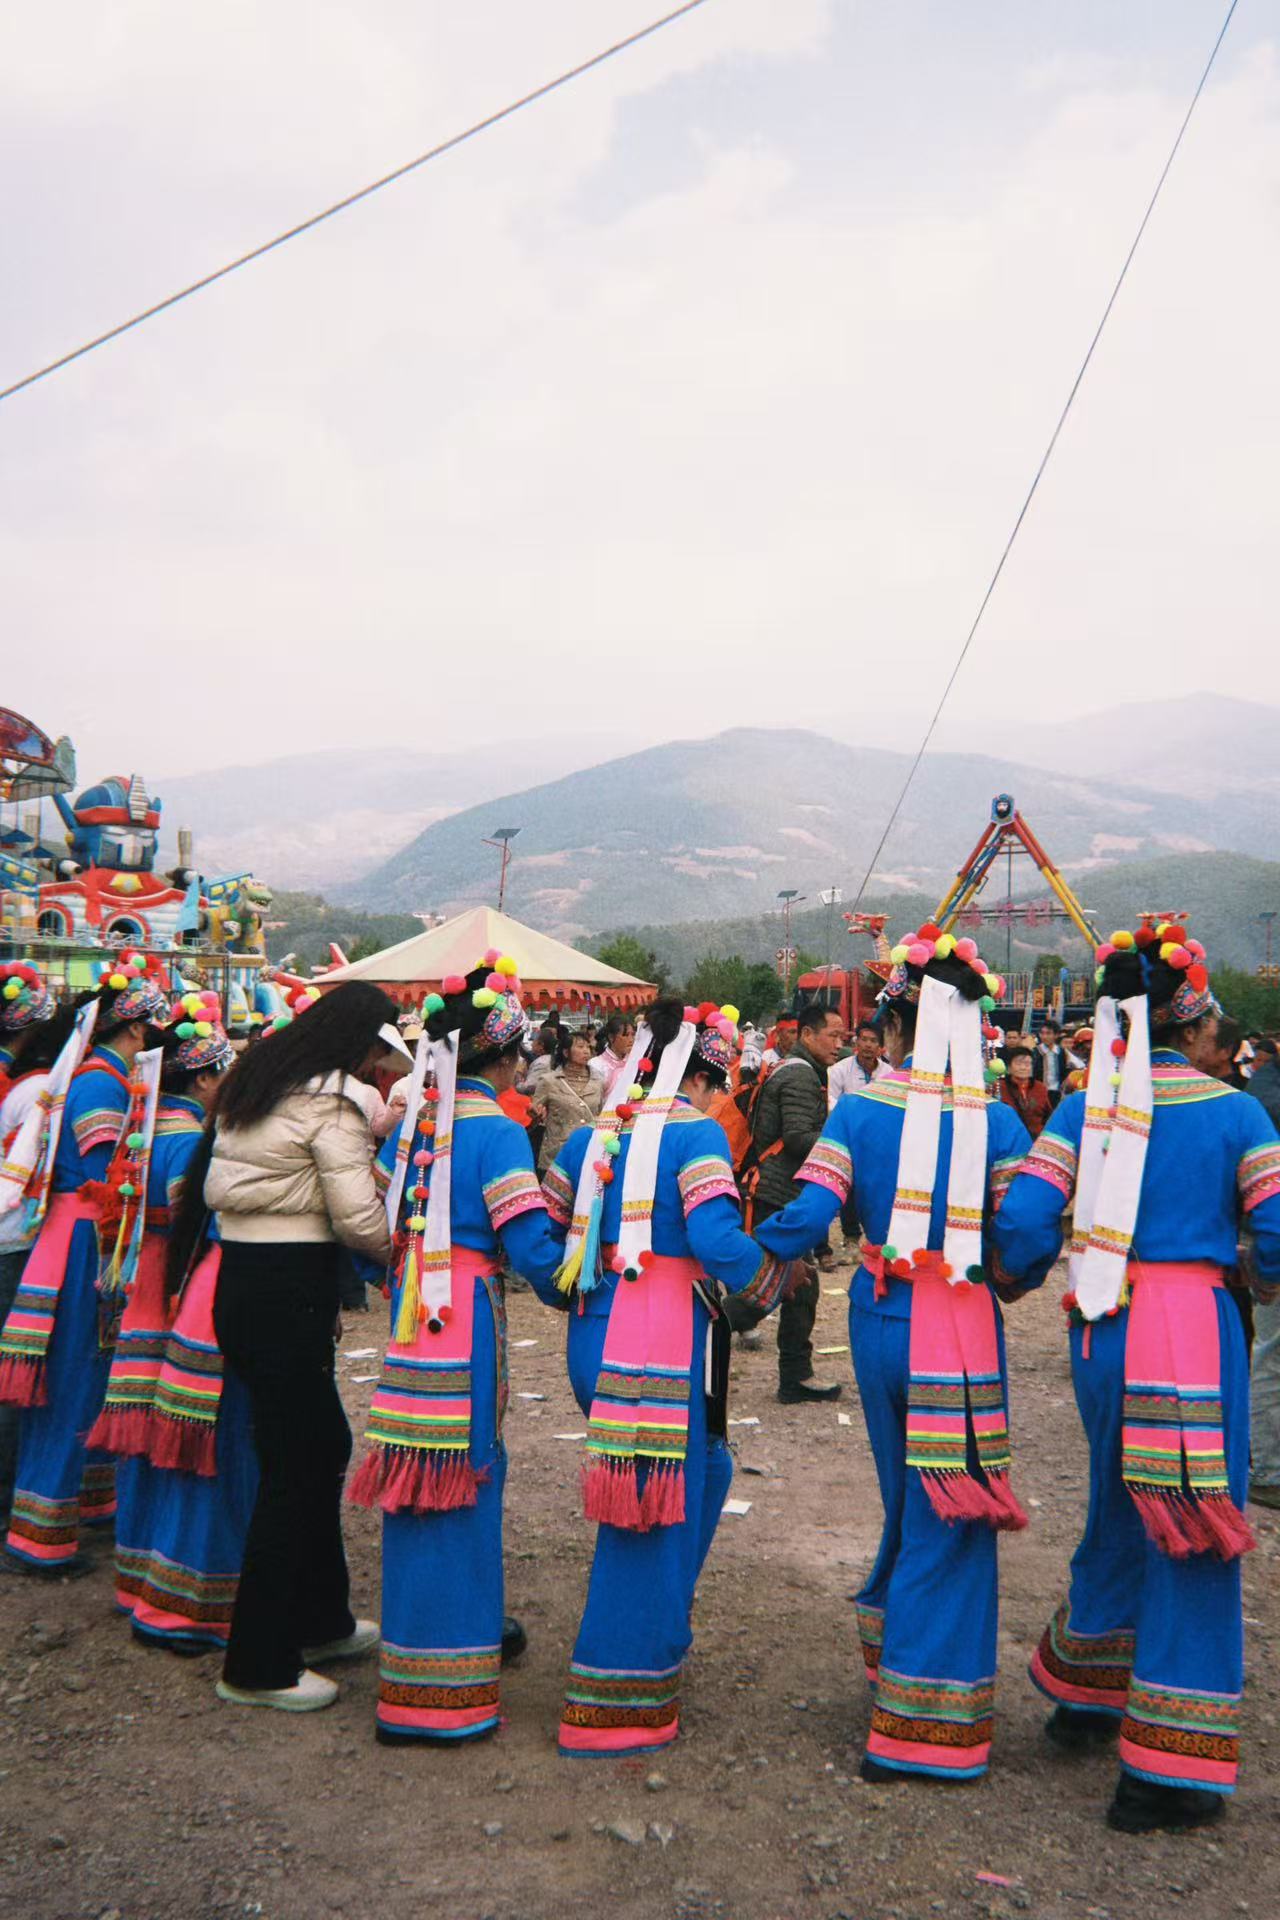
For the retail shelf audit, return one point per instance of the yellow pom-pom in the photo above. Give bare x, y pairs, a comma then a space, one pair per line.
636, 1093
483, 998
507, 965
1122, 940
898, 955
945, 945
203, 1030
731, 1013
12, 988
118, 982
416, 1222
992, 981
1168, 949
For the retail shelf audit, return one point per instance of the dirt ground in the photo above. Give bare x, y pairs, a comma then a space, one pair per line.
128, 1792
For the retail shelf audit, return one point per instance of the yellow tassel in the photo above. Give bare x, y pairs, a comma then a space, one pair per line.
111, 1279
406, 1331
567, 1276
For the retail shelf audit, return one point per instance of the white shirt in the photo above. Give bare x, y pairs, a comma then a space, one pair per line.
606, 1066
848, 1075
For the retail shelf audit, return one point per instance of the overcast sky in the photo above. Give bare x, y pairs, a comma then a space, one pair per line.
704, 392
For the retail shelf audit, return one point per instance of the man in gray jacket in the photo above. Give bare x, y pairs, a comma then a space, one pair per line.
790, 1114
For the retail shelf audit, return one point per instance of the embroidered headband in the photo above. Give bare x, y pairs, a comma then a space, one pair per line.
717, 1034
137, 995
25, 1000
198, 1029
1170, 942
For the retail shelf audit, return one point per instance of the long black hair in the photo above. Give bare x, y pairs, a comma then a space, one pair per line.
335, 1035
664, 1020
40, 1045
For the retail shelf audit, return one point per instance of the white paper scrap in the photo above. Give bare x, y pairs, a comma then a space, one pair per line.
568, 1436
360, 1353
738, 1507
843, 1349
532, 1396
362, 1379
844, 1420
524, 1343
748, 1420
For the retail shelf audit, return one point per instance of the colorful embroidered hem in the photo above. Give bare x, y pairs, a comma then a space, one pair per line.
1179, 1738
44, 1531
28, 1329
1083, 1669
707, 1178
439, 1696
172, 1602
98, 1493
188, 1396
612, 1713
932, 1726
871, 1634
831, 1166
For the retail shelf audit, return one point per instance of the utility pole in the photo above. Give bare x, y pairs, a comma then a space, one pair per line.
502, 838
787, 895
831, 898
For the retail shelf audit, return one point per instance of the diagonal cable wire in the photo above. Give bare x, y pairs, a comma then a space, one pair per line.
1045, 459
352, 199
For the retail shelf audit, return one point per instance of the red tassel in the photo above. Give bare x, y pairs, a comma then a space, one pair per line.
413, 1480
1161, 1526
1014, 1518
22, 1382
662, 1504
1229, 1531
958, 1496
609, 1495
122, 1430
183, 1446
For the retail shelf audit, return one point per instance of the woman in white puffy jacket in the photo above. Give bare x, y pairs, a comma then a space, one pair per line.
288, 1173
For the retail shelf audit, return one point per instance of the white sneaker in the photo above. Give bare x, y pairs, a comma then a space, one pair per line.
311, 1692
366, 1636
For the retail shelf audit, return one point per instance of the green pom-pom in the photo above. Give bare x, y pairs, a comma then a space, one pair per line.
612, 1145
483, 998
135, 1140
889, 1253
186, 1030
127, 1189
434, 1003
987, 1004
1099, 975
975, 1274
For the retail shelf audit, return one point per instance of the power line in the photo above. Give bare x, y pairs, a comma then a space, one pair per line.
1045, 458
352, 199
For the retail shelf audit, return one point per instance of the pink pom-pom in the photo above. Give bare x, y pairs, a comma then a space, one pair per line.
919, 954
1104, 953
491, 958
1196, 951
967, 950
691, 1015
1180, 958
453, 983
422, 1159
496, 982
617, 1264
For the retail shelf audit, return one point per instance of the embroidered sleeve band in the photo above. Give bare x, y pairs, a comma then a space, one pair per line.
830, 1166
769, 1284
557, 1191
706, 1178
1053, 1160
99, 1127
510, 1194
1258, 1175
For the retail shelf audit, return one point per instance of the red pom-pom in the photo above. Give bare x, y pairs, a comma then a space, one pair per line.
1068, 1303
1198, 976
453, 983
1145, 937
606, 1178
1119, 1048
706, 1008
446, 1313
626, 1111
644, 1066
385, 1291
928, 931
648, 1257
432, 1094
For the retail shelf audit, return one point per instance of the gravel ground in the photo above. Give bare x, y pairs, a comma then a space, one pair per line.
128, 1792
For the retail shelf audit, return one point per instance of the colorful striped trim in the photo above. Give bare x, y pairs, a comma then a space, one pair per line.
1258, 1175
1181, 1085
829, 1165
932, 1726
43, 1530
1179, 1738
891, 1090
706, 1178
439, 1693
610, 1711
767, 1286
98, 1127
512, 1194
421, 1403
871, 1634
1054, 1160
558, 1194
639, 1410
1084, 1669
172, 1598
1001, 1178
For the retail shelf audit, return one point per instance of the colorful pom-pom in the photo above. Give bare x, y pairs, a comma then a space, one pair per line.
1198, 976
919, 954
988, 1003
945, 946
416, 1222
1122, 941
636, 1093
626, 1111
1195, 949
648, 1257
422, 1159
453, 983
899, 954
12, 988
204, 1030
731, 1014
186, 1030
117, 982
496, 982
127, 1189
606, 1178
506, 965
889, 1253
1104, 953
1119, 1048
975, 1274
967, 950
1144, 937
928, 931
434, 1003
1115, 1079
1180, 958
1099, 974
644, 1066
691, 1016
483, 998
135, 1141
612, 1145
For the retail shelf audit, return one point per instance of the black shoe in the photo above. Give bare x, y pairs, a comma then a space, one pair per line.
1140, 1806
179, 1644
792, 1392
1077, 1730
878, 1776
514, 1640
392, 1737
73, 1569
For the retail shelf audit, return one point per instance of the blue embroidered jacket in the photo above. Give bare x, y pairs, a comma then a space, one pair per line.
1213, 1155
494, 1196
857, 1153
695, 1207
179, 1126
91, 1121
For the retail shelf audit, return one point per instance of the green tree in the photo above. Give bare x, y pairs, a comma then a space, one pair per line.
1047, 969
630, 955
1247, 999
752, 987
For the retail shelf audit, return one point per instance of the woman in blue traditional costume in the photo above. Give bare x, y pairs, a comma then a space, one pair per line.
927, 1157
436, 1463
55, 1349
654, 1238
1159, 1163
196, 1053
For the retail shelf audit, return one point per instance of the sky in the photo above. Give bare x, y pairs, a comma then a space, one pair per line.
703, 393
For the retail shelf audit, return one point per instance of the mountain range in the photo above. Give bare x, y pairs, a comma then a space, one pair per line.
698, 830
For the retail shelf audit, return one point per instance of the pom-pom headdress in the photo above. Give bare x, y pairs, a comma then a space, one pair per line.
25, 1000
197, 1026
130, 990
